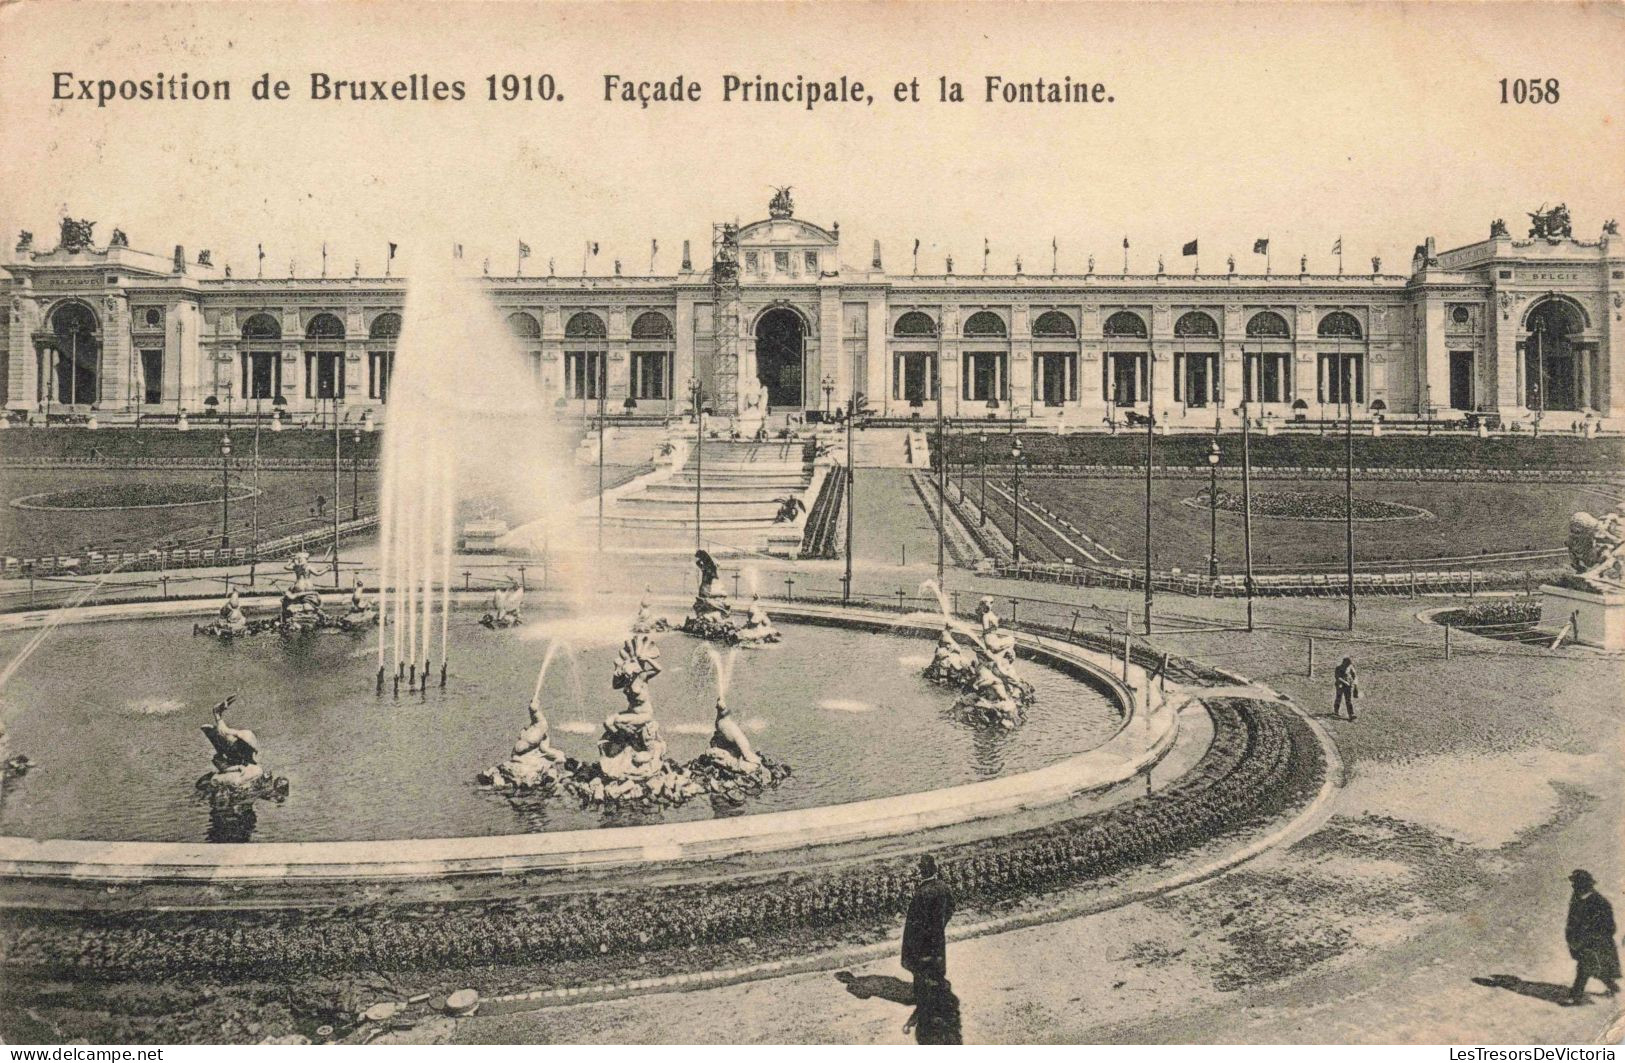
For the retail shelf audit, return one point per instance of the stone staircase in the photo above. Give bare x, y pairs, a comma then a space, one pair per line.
740, 485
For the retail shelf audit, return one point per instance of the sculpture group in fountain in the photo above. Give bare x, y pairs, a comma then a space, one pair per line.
301, 601
709, 619
1597, 549
300, 609
505, 603
238, 775
536, 764
646, 622
633, 767
994, 693
361, 614
730, 767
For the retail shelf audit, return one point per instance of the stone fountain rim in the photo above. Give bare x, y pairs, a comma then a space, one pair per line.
1139, 743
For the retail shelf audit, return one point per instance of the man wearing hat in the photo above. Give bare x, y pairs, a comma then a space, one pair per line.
925, 931
1590, 936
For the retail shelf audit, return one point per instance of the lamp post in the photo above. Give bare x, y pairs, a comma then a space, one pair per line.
851, 489
603, 393
1348, 489
1150, 447
225, 491
1213, 509
1015, 510
829, 389
699, 453
254, 546
1247, 508
981, 466
355, 475
338, 507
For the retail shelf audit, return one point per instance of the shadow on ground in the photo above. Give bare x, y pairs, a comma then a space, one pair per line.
1550, 992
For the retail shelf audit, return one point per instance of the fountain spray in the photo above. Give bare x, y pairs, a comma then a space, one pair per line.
397, 685
442, 673
380, 689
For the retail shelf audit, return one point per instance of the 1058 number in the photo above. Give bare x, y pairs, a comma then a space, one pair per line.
1529, 90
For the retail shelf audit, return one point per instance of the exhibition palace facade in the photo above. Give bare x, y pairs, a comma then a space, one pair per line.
1520, 328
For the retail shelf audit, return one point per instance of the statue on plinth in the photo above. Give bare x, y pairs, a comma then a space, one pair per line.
237, 774
730, 767
1597, 549
709, 619
757, 628
535, 764
505, 603
646, 622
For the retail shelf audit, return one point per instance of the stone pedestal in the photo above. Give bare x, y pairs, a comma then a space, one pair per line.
1599, 616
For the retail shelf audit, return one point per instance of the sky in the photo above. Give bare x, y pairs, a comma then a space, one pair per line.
1377, 123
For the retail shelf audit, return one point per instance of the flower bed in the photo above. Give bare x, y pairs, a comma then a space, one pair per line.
1263, 759
131, 494
1310, 505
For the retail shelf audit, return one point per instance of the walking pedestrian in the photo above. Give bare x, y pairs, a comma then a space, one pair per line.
1590, 936
1347, 687
925, 931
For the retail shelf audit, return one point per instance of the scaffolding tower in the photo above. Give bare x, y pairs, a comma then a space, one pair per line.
725, 291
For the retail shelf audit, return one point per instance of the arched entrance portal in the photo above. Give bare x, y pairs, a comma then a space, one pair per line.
780, 349
1552, 370
78, 361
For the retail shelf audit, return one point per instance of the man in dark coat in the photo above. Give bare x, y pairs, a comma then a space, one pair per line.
925, 931
1590, 935
1346, 686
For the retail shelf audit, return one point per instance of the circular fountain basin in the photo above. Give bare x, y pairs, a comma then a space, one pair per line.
111, 711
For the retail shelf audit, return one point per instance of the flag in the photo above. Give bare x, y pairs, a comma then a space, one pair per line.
524, 249
262, 252
1189, 249
654, 248
1261, 247
392, 249
456, 250
1337, 248
592, 247
986, 246
916, 246
1054, 243
1125, 243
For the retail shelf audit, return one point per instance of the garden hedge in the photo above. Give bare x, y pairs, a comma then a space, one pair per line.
1263, 759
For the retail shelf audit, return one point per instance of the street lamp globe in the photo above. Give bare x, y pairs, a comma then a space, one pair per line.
225, 445
1213, 452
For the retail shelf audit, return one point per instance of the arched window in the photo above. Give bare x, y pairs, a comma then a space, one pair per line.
651, 326
522, 326
984, 323
385, 327
585, 326
1196, 324
915, 324
1125, 323
1340, 325
324, 327
1267, 324
1055, 324
262, 327
324, 358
